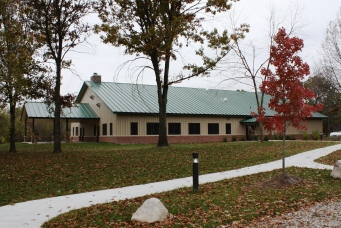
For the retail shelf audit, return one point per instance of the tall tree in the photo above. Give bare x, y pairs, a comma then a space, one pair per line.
327, 94
156, 30
288, 96
19, 69
332, 51
62, 26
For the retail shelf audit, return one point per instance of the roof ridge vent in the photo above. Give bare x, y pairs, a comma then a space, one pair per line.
223, 100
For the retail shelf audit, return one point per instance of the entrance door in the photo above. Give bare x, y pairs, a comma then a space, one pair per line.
97, 136
81, 134
250, 131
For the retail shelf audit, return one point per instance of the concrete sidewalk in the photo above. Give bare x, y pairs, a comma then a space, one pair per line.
35, 213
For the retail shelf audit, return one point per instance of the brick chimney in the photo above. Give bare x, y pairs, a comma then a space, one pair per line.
96, 78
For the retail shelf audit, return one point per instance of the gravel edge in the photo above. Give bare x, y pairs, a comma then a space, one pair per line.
322, 214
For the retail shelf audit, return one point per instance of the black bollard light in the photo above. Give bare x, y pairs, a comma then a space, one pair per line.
195, 171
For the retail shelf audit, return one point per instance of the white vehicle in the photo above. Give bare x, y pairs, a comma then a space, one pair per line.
335, 134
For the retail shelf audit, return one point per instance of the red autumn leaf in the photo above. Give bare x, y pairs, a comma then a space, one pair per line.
284, 85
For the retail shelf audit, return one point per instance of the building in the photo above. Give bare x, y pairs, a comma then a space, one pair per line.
128, 113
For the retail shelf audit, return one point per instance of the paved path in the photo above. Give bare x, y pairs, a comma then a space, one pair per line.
35, 213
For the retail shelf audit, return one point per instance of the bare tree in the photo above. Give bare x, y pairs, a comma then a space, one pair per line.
250, 55
332, 52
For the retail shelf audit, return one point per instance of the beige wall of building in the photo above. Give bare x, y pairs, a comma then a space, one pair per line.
311, 124
106, 115
314, 125
123, 124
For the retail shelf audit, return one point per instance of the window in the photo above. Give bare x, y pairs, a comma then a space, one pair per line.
133, 128
95, 130
152, 128
110, 128
104, 129
213, 128
174, 128
228, 128
73, 131
194, 128
76, 131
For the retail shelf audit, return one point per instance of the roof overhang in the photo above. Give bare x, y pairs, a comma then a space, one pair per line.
40, 110
251, 120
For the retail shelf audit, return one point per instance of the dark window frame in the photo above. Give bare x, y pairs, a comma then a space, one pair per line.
104, 129
152, 128
194, 128
174, 128
110, 128
76, 131
213, 128
134, 128
228, 128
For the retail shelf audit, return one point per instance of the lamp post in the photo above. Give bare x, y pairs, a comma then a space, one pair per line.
195, 171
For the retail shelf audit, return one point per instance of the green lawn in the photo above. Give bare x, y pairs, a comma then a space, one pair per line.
234, 201
34, 172
330, 159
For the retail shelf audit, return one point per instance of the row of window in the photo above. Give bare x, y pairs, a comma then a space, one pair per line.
96, 128
175, 128
75, 131
153, 129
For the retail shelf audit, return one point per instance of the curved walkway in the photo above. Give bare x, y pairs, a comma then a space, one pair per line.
35, 213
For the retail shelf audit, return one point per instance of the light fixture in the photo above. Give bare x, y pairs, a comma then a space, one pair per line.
92, 97
98, 104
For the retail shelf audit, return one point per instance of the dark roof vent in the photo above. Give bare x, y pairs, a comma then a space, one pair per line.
96, 78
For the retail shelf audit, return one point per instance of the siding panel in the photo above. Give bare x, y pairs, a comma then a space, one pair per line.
123, 124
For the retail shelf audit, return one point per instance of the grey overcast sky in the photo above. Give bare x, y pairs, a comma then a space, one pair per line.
105, 59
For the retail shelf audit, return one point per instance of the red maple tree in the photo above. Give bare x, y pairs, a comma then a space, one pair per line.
284, 85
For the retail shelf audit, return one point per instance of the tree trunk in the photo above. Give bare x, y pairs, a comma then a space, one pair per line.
283, 150
163, 141
162, 92
162, 98
12, 147
57, 144
261, 129
261, 124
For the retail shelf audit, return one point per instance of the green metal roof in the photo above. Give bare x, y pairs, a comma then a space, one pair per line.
134, 98
249, 120
319, 115
40, 110
142, 99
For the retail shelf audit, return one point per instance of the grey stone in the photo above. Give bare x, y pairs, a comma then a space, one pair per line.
152, 210
336, 173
